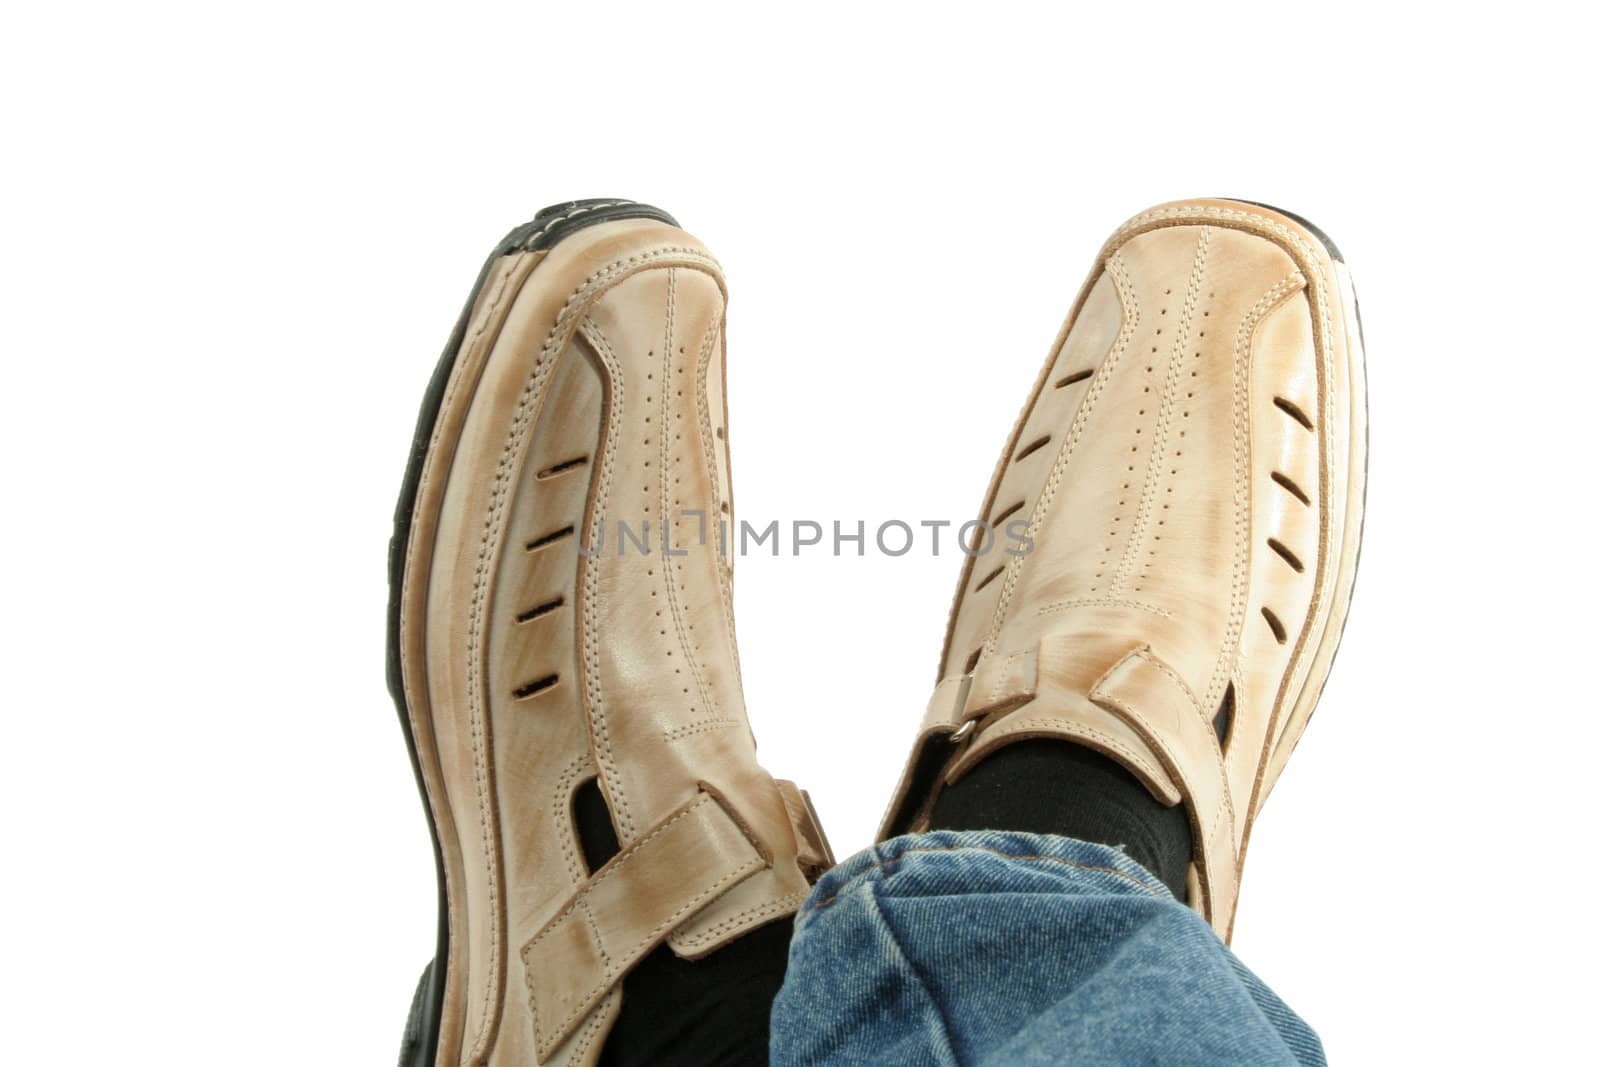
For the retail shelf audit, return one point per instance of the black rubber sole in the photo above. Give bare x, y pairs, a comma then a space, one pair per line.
420, 1043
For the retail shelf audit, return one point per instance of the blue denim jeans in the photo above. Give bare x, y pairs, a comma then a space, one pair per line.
1002, 948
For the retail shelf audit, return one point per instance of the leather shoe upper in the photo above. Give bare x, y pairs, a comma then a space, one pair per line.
1189, 470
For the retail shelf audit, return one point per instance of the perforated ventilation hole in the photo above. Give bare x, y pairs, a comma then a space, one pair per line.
1294, 490
591, 818
550, 538
1031, 449
543, 609
991, 576
1277, 626
1073, 378
1288, 557
1292, 409
534, 688
1222, 721
561, 468
972, 660
1007, 513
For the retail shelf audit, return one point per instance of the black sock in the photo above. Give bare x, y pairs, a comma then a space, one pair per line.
710, 1012
1056, 787
715, 1011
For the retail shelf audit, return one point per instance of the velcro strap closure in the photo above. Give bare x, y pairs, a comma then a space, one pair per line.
812, 851
1157, 703
1002, 682
1043, 691
946, 704
629, 906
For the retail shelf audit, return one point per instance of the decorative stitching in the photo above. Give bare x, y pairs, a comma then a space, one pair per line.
1156, 462
997, 478
591, 1029
780, 906
1009, 726
528, 401
1206, 728
594, 928
712, 456
1097, 386
599, 724
678, 733
1001, 673
617, 863
463, 359
575, 212
1323, 326
671, 567
481, 771
1194, 210
1243, 345
559, 814
895, 860
1188, 693
609, 972
1102, 602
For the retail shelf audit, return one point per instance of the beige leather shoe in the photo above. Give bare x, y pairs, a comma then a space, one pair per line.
1190, 469
582, 390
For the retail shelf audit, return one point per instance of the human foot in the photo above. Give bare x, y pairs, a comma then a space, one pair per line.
1191, 468
542, 667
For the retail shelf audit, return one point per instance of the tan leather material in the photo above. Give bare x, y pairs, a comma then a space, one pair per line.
1191, 468
660, 673
1160, 706
1070, 664
586, 396
815, 854
625, 909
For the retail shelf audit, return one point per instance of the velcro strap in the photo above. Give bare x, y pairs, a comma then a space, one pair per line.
813, 853
1163, 709
945, 706
1043, 691
627, 907
1002, 682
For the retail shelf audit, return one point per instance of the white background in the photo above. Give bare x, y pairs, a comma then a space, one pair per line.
235, 240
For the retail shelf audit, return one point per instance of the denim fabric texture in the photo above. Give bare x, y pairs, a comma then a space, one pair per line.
1007, 948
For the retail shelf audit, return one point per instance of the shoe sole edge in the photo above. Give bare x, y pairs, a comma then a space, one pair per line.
550, 226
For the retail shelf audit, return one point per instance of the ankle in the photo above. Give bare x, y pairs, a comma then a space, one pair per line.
1047, 786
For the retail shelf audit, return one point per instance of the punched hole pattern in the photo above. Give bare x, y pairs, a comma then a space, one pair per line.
535, 687
1277, 625
991, 576
561, 468
550, 538
1032, 448
543, 609
675, 568
1006, 514
1288, 557
1176, 443
1293, 410
1222, 721
1291, 487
